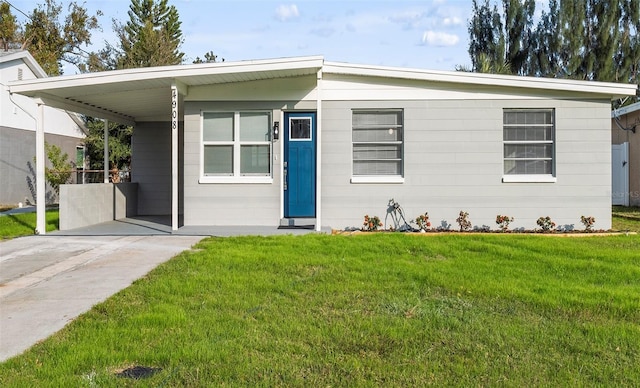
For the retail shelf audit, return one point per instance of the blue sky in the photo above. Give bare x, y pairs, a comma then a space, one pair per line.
429, 34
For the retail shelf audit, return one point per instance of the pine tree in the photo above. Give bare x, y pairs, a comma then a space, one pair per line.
151, 37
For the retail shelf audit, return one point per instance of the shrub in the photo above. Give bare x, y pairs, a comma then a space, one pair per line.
423, 221
371, 223
503, 222
588, 223
463, 221
546, 224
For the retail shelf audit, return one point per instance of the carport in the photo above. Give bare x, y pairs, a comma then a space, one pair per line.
140, 95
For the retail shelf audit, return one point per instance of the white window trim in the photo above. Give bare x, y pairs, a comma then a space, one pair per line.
395, 179
391, 179
236, 178
532, 178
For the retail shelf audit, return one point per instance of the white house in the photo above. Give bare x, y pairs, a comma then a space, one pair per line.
18, 130
306, 141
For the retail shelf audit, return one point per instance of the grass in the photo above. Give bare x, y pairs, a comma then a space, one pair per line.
24, 224
366, 310
626, 218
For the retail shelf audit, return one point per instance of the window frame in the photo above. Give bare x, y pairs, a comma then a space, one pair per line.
236, 143
379, 178
523, 177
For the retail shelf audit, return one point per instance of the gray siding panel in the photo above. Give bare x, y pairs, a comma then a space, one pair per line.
151, 167
17, 166
229, 203
453, 161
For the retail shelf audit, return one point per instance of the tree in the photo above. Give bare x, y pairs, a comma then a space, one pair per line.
209, 57
119, 145
151, 37
8, 26
501, 40
580, 39
485, 36
61, 168
52, 41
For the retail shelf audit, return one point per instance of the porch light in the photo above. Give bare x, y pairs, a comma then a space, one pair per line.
276, 130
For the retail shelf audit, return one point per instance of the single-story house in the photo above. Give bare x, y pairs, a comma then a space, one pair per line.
18, 131
625, 138
306, 141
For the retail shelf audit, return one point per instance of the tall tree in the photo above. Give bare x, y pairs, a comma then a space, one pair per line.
485, 36
544, 56
504, 38
151, 37
8, 26
579, 39
52, 40
518, 23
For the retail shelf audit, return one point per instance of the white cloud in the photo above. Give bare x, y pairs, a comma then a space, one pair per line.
452, 21
286, 12
435, 38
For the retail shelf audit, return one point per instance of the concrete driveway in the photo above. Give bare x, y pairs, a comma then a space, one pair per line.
47, 281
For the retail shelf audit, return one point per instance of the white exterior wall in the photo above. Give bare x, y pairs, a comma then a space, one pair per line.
18, 132
19, 112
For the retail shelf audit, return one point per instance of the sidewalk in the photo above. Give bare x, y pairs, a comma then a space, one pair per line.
47, 281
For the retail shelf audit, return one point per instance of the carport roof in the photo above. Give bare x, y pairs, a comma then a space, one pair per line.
131, 95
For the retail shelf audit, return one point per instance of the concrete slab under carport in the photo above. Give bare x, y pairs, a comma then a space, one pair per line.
161, 226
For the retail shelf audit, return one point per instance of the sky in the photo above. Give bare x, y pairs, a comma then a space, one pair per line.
427, 34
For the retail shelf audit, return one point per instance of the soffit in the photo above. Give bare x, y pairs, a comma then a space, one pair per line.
145, 94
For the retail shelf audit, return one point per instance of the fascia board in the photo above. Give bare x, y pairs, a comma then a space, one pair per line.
625, 110
611, 90
28, 59
170, 73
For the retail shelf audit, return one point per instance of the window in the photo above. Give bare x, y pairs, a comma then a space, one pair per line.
377, 144
528, 136
236, 144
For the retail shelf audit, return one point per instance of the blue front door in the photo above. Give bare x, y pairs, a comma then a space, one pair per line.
300, 165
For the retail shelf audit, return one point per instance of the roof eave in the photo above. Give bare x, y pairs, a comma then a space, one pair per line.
610, 90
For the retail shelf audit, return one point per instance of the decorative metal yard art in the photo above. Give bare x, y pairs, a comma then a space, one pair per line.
394, 210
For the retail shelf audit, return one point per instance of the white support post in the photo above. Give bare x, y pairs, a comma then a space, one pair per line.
106, 151
41, 225
319, 152
174, 156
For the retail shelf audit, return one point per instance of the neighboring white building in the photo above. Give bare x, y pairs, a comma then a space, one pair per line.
625, 139
304, 141
18, 130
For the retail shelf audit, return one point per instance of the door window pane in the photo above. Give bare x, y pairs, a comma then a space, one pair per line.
300, 129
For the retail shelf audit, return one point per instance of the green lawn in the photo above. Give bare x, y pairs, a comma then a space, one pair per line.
365, 310
24, 224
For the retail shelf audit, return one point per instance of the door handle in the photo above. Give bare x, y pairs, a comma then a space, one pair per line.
284, 178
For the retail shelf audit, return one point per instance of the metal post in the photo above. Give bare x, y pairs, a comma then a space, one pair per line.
174, 156
41, 225
106, 151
